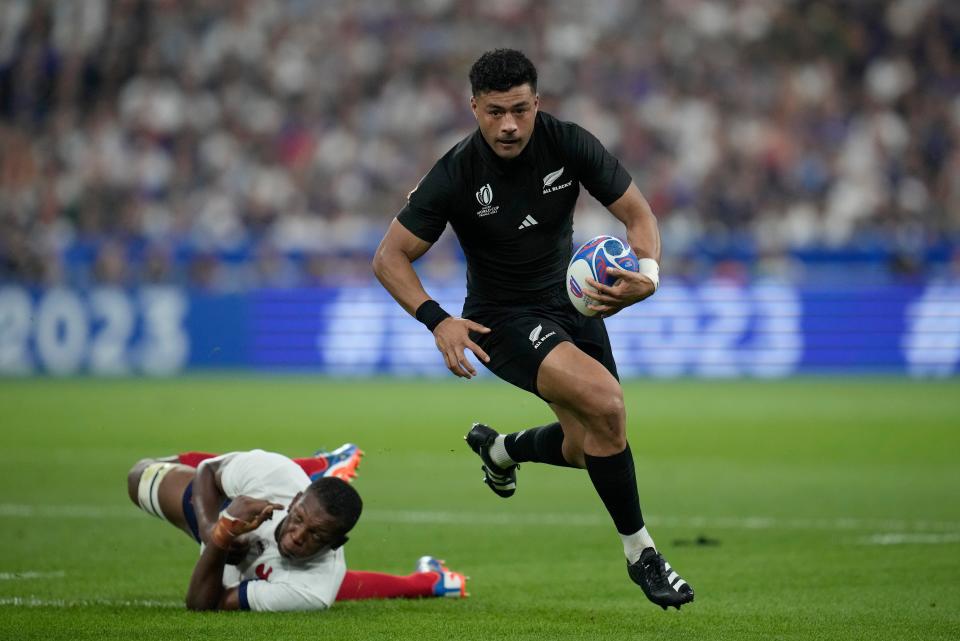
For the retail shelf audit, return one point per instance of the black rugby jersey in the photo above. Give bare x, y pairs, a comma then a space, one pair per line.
514, 218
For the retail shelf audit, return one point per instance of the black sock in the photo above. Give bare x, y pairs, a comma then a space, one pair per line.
616, 482
538, 445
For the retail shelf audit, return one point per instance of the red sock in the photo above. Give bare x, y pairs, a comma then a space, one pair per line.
193, 459
310, 465
374, 585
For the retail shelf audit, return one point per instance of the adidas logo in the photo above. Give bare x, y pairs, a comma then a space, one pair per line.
529, 221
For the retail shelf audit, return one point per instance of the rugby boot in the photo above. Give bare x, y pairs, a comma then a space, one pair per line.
449, 583
341, 462
503, 481
659, 582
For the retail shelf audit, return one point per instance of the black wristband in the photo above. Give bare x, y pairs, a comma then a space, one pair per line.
431, 314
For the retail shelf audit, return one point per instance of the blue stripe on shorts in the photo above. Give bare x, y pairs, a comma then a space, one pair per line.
188, 512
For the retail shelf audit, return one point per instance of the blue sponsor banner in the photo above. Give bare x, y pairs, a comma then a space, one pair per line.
713, 329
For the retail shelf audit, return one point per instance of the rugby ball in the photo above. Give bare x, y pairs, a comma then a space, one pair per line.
591, 260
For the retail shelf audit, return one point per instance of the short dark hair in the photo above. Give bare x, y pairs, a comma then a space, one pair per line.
501, 70
339, 499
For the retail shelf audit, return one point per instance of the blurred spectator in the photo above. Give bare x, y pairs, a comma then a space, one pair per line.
179, 135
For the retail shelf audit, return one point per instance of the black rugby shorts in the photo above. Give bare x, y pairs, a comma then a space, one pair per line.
524, 333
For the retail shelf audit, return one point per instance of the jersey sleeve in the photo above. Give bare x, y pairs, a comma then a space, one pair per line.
427, 210
314, 589
258, 474
265, 596
600, 171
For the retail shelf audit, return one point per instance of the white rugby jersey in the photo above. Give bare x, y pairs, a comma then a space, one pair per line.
267, 581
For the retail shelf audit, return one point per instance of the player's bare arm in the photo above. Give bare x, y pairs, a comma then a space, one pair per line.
208, 497
643, 235
206, 591
393, 267
220, 534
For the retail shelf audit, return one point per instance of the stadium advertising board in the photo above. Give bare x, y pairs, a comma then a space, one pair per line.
716, 329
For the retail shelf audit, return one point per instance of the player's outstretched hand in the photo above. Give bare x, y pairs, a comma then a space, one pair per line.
252, 511
631, 287
244, 514
452, 336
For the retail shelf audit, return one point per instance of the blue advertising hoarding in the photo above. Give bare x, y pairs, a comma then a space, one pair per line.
715, 329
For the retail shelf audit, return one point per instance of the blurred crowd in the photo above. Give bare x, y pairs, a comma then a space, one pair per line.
228, 144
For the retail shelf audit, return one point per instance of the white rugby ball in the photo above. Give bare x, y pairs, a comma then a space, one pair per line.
591, 260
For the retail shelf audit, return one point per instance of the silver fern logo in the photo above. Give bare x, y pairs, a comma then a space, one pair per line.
535, 334
536, 339
485, 195
551, 178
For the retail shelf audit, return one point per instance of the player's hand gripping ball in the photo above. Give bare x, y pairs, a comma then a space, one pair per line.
591, 260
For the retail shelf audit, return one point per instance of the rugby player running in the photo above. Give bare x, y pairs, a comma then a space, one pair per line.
509, 191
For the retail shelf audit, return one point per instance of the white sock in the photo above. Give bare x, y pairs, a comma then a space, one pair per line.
634, 544
498, 454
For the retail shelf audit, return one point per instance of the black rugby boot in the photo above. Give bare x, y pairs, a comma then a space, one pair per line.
503, 481
662, 585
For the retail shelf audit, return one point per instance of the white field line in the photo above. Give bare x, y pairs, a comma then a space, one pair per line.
68, 511
911, 538
36, 602
549, 518
29, 574
719, 522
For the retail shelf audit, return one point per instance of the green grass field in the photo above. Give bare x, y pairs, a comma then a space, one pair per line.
834, 505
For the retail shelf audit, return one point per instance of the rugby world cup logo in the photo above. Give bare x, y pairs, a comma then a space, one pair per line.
485, 195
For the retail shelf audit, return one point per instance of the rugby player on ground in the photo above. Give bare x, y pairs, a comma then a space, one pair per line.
272, 530
509, 191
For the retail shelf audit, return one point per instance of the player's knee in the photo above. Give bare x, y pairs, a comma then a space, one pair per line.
605, 402
144, 482
605, 417
133, 478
